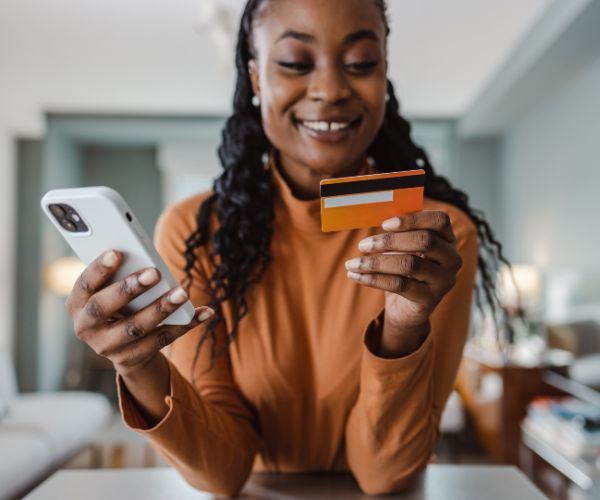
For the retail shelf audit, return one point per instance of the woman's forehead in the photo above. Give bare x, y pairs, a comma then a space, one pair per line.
318, 18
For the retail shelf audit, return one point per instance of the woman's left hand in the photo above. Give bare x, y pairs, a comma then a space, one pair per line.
415, 262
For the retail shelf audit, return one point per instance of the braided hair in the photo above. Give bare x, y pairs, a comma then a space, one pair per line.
243, 197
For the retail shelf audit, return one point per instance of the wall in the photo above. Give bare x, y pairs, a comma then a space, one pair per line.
27, 246
477, 174
7, 248
60, 168
188, 168
551, 178
436, 137
471, 165
133, 172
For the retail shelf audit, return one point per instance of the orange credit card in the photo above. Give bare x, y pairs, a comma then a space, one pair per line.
368, 200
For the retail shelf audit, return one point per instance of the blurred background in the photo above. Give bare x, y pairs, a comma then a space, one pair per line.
505, 97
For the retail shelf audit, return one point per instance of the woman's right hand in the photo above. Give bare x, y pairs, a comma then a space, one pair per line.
129, 342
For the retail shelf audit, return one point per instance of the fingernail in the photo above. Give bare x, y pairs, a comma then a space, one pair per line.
205, 314
391, 224
178, 296
109, 259
353, 264
365, 244
148, 277
353, 276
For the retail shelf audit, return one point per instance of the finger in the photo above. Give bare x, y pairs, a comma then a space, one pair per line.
92, 279
108, 302
408, 288
407, 265
421, 242
433, 220
145, 347
147, 319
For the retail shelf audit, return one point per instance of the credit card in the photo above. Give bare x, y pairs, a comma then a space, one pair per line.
368, 200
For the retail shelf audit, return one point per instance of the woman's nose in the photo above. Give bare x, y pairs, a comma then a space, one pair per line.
330, 85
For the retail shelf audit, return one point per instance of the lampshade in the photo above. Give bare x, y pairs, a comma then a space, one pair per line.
525, 285
61, 274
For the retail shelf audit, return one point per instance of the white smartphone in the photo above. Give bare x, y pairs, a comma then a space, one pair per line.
96, 219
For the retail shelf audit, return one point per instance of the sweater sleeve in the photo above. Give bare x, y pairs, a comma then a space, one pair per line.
394, 426
210, 432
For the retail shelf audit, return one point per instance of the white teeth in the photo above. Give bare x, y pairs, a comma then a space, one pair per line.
326, 126
339, 126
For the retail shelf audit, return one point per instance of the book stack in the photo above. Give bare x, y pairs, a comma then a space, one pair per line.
569, 425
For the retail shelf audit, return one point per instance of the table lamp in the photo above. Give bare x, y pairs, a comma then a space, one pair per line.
61, 274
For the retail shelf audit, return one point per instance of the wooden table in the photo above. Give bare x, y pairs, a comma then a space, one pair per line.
440, 482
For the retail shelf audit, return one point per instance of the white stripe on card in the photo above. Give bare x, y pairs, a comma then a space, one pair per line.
359, 199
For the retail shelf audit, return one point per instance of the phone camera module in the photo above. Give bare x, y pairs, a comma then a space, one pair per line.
68, 225
57, 211
68, 218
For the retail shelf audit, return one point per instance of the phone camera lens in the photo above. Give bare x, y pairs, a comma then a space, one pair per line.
68, 225
58, 211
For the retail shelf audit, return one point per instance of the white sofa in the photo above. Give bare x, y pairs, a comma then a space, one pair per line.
41, 431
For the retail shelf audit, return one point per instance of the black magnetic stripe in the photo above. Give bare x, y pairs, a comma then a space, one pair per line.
368, 185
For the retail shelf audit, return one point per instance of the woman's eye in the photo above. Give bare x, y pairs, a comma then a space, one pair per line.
295, 66
362, 67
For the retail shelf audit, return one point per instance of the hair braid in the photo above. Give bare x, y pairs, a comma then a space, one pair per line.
243, 200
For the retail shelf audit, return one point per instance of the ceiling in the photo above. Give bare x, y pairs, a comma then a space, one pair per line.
135, 55
443, 52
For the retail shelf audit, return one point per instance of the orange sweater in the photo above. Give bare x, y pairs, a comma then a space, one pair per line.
300, 389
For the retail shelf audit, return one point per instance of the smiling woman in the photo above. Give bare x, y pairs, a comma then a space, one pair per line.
350, 340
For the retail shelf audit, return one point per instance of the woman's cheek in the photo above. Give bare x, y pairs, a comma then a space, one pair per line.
278, 127
280, 104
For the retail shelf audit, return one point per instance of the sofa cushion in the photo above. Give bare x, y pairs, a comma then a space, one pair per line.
68, 420
25, 458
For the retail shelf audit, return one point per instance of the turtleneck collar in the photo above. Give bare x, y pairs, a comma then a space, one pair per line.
302, 214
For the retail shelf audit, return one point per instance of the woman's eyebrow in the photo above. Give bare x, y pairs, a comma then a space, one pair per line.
297, 35
348, 39
361, 35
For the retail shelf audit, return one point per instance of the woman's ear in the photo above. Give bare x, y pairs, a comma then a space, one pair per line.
253, 72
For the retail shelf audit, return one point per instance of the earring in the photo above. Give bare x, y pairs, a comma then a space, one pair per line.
371, 161
387, 97
256, 101
265, 160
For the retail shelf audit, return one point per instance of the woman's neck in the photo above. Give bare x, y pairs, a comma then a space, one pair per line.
303, 181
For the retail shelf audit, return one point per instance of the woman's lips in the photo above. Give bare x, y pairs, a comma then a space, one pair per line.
329, 131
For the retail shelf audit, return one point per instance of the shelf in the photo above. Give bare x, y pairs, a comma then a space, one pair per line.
572, 387
583, 474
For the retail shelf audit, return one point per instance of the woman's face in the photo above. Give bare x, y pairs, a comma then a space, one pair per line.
320, 71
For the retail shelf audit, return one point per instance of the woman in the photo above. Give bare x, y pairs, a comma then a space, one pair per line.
325, 351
